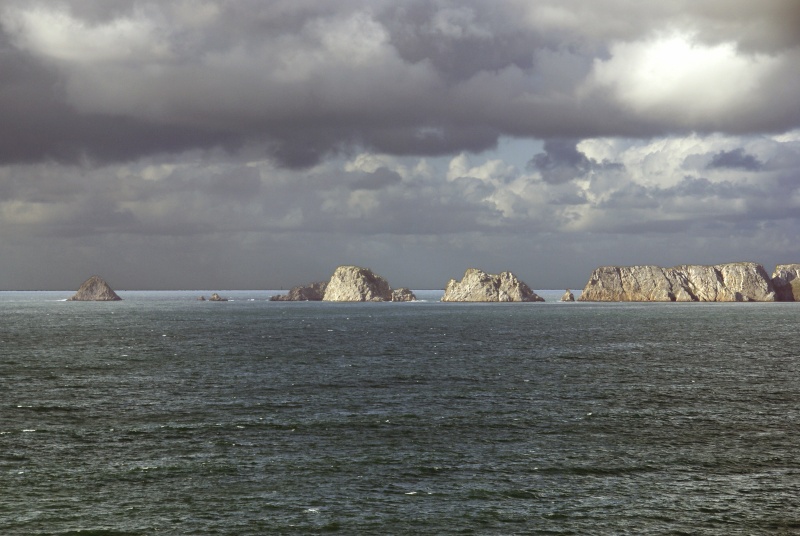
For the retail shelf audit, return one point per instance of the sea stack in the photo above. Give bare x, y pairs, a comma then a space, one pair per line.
95, 289
356, 284
403, 294
568, 296
478, 286
733, 282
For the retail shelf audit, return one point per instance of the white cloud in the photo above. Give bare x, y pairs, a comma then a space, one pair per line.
676, 75
369, 163
58, 35
356, 39
493, 171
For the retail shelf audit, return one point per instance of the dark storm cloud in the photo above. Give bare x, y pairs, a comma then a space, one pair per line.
461, 39
37, 123
115, 80
560, 162
735, 159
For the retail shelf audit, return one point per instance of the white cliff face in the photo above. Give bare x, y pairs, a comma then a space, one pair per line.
745, 282
741, 281
786, 280
478, 286
95, 289
353, 283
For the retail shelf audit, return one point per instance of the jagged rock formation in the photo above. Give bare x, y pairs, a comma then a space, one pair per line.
403, 294
348, 283
568, 296
217, 297
742, 281
353, 283
786, 281
478, 286
95, 289
310, 292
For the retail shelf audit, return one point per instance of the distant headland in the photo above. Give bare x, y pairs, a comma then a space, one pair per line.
733, 282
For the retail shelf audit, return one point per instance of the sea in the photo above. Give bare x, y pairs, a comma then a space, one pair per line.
163, 414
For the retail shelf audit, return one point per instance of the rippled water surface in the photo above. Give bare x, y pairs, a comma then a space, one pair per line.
161, 414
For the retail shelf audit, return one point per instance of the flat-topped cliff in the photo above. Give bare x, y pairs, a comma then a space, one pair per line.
733, 282
478, 286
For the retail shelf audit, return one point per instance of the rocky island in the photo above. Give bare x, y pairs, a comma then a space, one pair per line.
348, 284
733, 282
353, 283
95, 289
403, 294
478, 286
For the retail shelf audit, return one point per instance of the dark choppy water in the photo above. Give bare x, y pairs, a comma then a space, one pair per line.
164, 415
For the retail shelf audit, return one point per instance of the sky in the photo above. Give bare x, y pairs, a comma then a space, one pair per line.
254, 144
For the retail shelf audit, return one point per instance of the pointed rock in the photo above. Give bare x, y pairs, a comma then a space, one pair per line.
568, 296
95, 289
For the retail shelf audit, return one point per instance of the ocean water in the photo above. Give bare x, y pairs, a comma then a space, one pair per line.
164, 415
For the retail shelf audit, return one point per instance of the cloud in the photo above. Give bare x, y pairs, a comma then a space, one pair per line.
676, 79
62, 37
735, 159
308, 81
423, 134
561, 161
210, 209
376, 180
